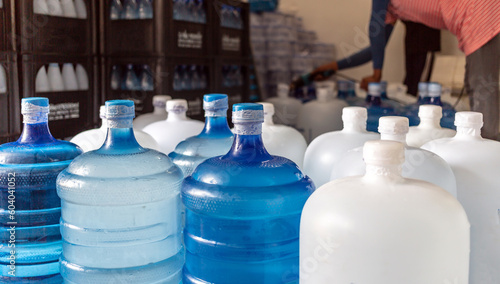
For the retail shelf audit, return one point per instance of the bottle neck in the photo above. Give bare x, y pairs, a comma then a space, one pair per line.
468, 132
355, 126
435, 101
385, 172
268, 119
160, 111
248, 145
373, 100
394, 137
36, 133
429, 123
216, 126
343, 94
120, 138
176, 116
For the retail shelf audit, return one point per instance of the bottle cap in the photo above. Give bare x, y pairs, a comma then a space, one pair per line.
434, 89
160, 101
248, 112
430, 112
177, 106
354, 114
283, 90
215, 102
469, 119
393, 125
268, 108
382, 152
34, 105
422, 87
374, 89
120, 109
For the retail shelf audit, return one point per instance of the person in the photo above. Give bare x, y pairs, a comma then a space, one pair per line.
421, 44
476, 24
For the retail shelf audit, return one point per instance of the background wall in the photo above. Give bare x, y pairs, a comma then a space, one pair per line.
345, 24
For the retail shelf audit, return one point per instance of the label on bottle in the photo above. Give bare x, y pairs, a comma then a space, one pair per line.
64, 111
187, 39
231, 43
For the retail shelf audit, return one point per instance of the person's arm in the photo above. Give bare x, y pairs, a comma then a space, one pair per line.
359, 58
378, 36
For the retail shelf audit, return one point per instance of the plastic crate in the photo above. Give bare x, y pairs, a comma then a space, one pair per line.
54, 35
227, 41
159, 36
10, 110
237, 92
194, 95
141, 97
6, 21
70, 111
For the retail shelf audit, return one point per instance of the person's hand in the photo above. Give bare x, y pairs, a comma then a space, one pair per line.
318, 72
376, 77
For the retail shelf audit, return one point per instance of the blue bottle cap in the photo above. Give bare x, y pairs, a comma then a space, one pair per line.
422, 86
248, 112
35, 110
36, 101
374, 89
120, 109
215, 102
434, 89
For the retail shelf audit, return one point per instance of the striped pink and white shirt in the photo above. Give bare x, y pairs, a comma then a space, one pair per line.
474, 22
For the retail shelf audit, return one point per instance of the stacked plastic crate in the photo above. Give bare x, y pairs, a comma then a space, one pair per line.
283, 49
48, 49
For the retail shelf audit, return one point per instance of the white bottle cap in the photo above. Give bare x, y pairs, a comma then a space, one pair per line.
283, 90
422, 87
393, 125
430, 111
434, 89
268, 108
374, 89
160, 101
177, 106
469, 119
354, 114
383, 152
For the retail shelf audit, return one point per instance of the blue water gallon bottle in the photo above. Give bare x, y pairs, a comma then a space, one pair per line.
214, 140
121, 210
243, 211
30, 243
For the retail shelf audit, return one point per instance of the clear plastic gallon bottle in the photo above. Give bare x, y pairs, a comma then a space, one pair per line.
377, 107
93, 139
30, 243
475, 162
214, 140
121, 210
419, 164
381, 228
412, 110
159, 113
243, 211
321, 115
327, 149
176, 128
286, 108
281, 140
429, 128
